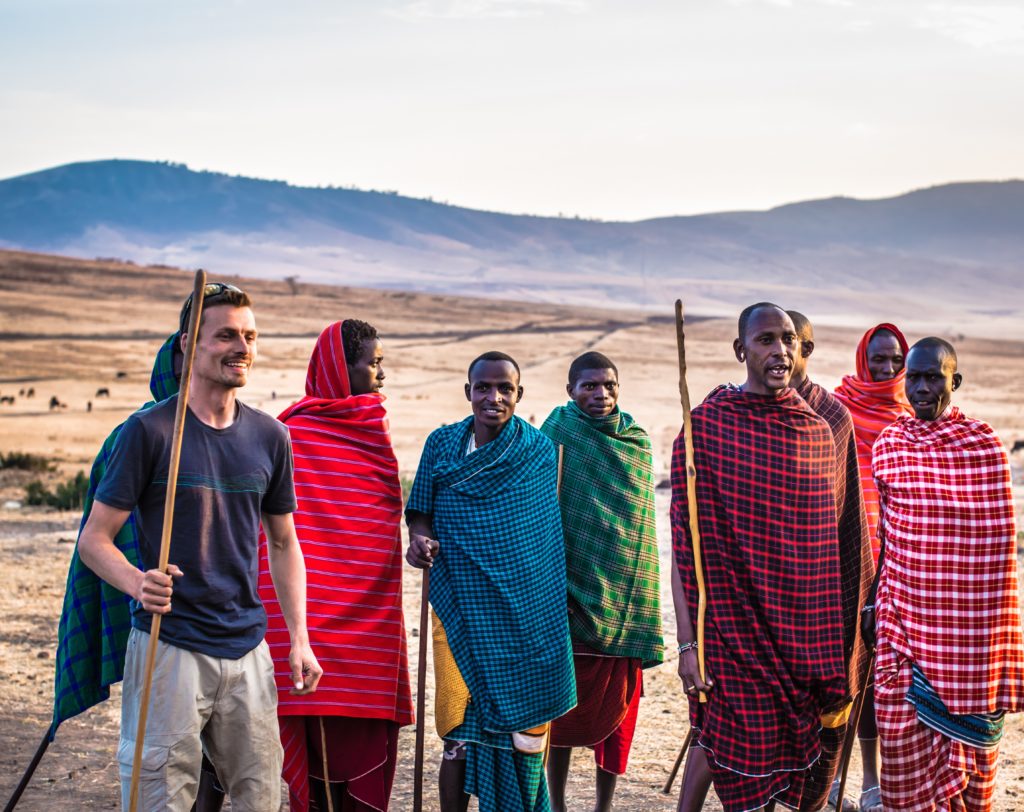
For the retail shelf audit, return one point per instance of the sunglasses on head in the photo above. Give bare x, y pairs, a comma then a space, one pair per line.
211, 292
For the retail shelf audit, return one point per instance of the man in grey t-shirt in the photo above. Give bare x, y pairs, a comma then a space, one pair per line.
213, 685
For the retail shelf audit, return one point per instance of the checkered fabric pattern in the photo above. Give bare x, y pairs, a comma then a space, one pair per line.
773, 637
922, 770
856, 565
502, 779
96, 618
873, 405
498, 583
947, 597
611, 542
348, 522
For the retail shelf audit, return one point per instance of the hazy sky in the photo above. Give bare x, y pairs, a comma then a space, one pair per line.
627, 109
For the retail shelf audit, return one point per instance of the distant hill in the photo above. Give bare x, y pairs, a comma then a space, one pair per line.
948, 256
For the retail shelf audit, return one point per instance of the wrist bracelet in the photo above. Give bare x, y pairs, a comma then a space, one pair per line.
684, 647
868, 608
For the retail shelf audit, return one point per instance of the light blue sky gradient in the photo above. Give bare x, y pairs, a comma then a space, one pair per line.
628, 109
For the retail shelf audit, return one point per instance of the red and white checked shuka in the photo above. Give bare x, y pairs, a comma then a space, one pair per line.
348, 524
947, 601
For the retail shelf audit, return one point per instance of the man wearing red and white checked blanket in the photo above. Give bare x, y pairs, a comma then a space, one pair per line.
950, 659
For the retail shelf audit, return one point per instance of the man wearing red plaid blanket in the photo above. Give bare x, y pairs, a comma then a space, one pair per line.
950, 660
773, 637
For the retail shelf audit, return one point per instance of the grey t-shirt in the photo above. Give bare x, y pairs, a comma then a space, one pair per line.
226, 479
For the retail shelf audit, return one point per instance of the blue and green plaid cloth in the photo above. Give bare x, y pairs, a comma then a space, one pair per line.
96, 618
498, 587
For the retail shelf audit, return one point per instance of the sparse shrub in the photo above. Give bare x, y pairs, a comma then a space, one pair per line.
69, 495
24, 461
406, 487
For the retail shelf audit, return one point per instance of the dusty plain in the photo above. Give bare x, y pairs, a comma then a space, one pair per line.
69, 328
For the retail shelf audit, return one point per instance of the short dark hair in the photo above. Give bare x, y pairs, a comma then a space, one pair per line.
216, 294
936, 343
800, 322
748, 313
590, 360
491, 355
354, 335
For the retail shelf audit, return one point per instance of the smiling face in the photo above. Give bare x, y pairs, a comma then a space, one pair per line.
768, 349
596, 391
885, 356
225, 347
493, 390
930, 381
366, 375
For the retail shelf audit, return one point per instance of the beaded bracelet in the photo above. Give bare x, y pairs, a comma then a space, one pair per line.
684, 647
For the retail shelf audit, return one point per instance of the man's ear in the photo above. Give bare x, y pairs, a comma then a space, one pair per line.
519, 394
737, 347
568, 390
957, 380
467, 393
806, 348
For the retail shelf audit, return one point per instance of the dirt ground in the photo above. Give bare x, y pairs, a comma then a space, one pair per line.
70, 328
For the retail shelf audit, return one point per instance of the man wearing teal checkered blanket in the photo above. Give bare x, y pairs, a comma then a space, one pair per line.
483, 516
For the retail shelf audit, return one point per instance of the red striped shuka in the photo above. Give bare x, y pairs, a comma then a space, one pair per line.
773, 637
348, 523
873, 405
947, 602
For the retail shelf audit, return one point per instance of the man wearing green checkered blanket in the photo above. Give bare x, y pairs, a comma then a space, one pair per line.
611, 549
483, 516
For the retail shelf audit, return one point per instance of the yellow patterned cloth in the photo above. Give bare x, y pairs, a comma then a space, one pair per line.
451, 696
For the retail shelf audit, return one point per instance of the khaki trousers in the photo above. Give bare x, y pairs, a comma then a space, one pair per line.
226, 707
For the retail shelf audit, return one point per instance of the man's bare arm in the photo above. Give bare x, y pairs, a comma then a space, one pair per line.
288, 571
689, 666
98, 552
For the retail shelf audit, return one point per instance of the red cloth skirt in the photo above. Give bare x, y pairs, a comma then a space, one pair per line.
609, 691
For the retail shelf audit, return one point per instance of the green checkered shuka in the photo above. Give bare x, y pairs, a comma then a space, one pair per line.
611, 544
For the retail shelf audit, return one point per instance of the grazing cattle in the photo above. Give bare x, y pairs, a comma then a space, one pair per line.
103, 392
21, 393
1017, 446
121, 375
54, 402
7, 399
31, 393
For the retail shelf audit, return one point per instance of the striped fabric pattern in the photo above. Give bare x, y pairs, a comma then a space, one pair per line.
981, 730
948, 591
773, 638
611, 543
348, 523
95, 621
873, 405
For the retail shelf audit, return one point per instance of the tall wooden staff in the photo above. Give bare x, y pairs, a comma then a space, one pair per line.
421, 698
165, 538
691, 494
851, 731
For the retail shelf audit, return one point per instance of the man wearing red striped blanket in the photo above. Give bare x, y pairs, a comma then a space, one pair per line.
348, 522
950, 659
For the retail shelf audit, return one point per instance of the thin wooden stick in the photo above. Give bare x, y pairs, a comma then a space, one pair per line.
851, 732
327, 780
165, 538
667, 789
23, 783
691, 494
421, 696
558, 481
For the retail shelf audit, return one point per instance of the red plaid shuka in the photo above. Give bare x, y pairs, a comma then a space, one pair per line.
873, 405
348, 524
947, 600
773, 637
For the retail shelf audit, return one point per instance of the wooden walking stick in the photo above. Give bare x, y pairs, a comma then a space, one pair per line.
27, 776
667, 789
323, 753
851, 732
165, 537
691, 494
421, 696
